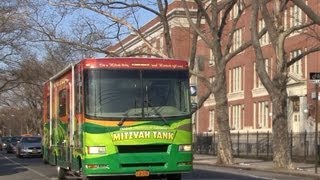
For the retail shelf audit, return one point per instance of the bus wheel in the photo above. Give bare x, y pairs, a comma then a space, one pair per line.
55, 160
45, 160
87, 178
173, 176
61, 173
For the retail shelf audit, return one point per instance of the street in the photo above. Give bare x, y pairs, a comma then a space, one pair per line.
12, 168
27, 168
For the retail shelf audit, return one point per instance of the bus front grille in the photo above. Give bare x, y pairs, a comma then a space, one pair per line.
142, 148
142, 165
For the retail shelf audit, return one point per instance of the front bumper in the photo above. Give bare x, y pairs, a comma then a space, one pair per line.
11, 149
30, 152
131, 163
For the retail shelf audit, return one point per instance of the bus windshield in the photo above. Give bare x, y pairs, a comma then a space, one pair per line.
136, 93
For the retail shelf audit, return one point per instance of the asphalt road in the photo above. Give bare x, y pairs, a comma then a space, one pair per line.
12, 168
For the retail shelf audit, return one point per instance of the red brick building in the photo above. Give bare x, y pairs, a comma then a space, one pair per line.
249, 104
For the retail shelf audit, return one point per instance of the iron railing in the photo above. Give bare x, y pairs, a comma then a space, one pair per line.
258, 145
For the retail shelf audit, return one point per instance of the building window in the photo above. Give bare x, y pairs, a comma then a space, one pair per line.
285, 20
211, 82
264, 40
236, 39
295, 16
256, 79
235, 10
295, 104
262, 109
235, 79
211, 121
296, 68
236, 117
211, 59
62, 103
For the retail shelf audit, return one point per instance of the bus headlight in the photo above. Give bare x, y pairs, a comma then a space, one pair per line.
185, 147
96, 150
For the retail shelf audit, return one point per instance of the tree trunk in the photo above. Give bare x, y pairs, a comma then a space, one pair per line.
281, 148
221, 111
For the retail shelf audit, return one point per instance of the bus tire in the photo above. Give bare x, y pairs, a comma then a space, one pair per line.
45, 160
173, 176
55, 160
62, 173
88, 178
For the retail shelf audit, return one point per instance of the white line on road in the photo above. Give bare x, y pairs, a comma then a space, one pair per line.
30, 169
231, 171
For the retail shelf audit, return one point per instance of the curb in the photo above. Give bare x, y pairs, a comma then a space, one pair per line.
286, 172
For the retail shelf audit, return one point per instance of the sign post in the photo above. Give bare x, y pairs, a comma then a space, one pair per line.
316, 131
315, 79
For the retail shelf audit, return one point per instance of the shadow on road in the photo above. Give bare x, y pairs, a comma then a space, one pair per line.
212, 174
7, 168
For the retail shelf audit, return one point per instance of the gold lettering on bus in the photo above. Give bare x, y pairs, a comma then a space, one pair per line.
119, 136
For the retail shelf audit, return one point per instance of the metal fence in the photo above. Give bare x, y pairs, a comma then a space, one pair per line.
258, 145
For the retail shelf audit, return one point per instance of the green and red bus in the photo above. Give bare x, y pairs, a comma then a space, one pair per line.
119, 117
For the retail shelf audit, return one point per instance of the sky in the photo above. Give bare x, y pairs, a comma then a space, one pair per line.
76, 22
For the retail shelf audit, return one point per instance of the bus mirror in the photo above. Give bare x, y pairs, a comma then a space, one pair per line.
193, 90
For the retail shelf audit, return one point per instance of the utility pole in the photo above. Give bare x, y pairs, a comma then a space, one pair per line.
315, 79
316, 130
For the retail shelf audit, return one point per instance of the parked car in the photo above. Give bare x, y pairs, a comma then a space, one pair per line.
29, 146
12, 144
5, 140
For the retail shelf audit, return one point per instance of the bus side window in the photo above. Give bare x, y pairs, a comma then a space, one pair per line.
48, 108
62, 103
78, 92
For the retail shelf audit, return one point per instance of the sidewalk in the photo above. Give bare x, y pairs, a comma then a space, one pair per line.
299, 169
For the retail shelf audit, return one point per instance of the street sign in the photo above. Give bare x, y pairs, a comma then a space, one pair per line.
315, 77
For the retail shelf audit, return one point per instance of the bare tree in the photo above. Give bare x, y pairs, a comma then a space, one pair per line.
112, 22
12, 38
13, 47
22, 70
25, 100
218, 36
276, 82
307, 10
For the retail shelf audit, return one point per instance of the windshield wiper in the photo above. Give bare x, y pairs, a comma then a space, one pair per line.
124, 117
158, 113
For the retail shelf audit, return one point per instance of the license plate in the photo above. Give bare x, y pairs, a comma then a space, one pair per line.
142, 173
34, 151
